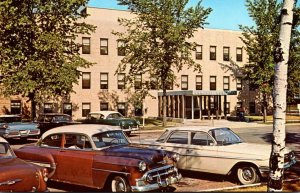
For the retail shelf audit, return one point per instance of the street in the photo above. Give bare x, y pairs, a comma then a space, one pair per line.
196, 181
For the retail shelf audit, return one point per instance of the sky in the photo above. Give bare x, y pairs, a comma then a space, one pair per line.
226, 14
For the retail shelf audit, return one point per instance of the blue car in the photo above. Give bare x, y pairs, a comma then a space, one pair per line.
11, 126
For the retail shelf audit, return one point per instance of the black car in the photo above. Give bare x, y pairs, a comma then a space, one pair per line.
48, 121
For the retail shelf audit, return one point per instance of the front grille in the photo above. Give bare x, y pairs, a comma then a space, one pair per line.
160, 174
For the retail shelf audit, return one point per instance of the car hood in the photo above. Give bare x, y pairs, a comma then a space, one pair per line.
22, 126
17, 175
137, 152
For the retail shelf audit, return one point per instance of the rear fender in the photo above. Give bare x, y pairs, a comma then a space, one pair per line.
37, 156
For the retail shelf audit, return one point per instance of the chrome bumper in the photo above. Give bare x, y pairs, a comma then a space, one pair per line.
143, 186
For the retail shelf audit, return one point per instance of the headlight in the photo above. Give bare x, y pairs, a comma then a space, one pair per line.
45, 174
142, 166
175, 157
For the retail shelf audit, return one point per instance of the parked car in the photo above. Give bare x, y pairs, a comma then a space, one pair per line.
101, 156
48, 121
12, 126
218, 151
112, 118
17, 175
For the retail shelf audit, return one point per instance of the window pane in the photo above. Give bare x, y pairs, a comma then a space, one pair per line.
103, 106
201, 138
86, 45
86, 108
86, 80
103, 46
104, 80
15, 107
121, 81
179, 138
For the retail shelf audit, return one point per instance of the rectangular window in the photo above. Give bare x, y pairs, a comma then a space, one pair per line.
169, 85
252, 107
121, 81
48, 108
138, 81
15, 107
103, 106
184, 82
238, 83
199, 52
213, 82
239, 54
121, 48
226, 53
226, 83
227, 105
86, 80
86, 45
103, 46
138, 110
153, 83
67, 108
103, 80
86, 109
121, 108
212, 52
198, 82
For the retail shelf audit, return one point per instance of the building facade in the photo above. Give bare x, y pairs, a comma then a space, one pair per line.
217, 91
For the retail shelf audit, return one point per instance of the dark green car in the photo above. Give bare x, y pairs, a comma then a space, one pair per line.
112, 118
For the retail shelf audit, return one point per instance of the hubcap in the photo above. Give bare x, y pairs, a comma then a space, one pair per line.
247, 174
120, 186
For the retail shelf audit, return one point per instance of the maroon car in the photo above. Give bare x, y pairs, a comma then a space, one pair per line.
17, 175
100, 156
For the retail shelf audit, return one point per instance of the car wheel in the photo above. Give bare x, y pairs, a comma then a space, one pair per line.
119, 184
247, 175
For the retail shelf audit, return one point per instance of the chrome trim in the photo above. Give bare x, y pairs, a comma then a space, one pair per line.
10, 182
111, 171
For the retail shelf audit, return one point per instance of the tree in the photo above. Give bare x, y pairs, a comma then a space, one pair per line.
260, 42
279, 94
156, 42
38, 56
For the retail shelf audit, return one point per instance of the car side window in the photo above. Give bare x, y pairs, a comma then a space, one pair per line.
178, 137
53, 140
77, 141
201, 138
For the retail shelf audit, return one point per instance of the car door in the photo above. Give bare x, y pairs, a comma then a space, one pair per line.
177, 142
75, 159
202, 152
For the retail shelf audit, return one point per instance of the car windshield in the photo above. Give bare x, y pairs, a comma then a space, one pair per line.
5, 151
162, 137
224, 136
10, 119
109, 138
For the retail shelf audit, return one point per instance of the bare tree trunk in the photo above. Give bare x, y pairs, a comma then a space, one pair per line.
275, 181
265, 106
31, 97
164, 106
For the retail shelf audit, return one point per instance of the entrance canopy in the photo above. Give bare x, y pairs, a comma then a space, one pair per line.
195, 104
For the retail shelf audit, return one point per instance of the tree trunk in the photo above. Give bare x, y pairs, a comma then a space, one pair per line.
33, 106
164, 106
265, 106
275, 181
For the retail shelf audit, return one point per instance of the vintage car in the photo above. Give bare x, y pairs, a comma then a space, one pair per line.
218, 151
12, 126
101, 156
112, 118
17, 175
48, 121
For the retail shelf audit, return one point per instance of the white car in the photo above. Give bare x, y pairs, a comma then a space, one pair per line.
218, 151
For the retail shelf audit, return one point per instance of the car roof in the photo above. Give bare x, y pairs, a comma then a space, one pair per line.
193, 128
10, 116
53, 114
105, 113
88, 129
3, 140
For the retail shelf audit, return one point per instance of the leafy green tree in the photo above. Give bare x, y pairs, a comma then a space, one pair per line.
38, 56
156, 42
260, 42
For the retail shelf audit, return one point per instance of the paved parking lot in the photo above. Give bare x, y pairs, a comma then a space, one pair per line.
196, 181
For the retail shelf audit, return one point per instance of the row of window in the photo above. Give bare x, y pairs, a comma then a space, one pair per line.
86, 49
121, 108
86, 82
